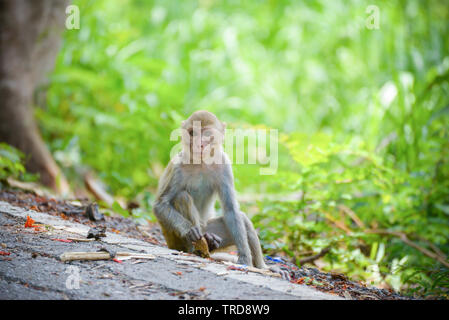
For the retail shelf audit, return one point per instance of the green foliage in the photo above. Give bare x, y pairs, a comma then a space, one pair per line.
346, 181
362, 114
11, 162
12, 165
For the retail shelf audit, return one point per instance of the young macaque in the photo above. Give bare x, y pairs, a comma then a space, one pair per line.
189, 187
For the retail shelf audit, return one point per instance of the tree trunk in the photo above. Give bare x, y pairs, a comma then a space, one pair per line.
30, 36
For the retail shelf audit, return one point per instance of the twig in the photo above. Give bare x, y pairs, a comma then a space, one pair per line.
99, 266
251, 269
147, 284
150, 237
433, 247
28, 186
265, 272
101, 255
80, 239
407, 241
143, 232
306, 253
353, 216
337, 223
94, 186
70, 256
314, 257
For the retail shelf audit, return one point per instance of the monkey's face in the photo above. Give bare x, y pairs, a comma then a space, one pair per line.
202, 135
204, 141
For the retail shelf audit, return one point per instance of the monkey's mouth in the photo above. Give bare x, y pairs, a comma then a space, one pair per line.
203, 152
199, 149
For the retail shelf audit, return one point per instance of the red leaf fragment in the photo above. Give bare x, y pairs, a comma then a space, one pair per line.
39, 228
117, 260
236, 268
299, 280
4, 253
29, 223
62, 240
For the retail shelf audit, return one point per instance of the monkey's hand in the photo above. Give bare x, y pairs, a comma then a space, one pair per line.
193, 234
213, 241
284, 274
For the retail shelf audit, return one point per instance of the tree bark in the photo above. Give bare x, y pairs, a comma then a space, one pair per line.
30, 37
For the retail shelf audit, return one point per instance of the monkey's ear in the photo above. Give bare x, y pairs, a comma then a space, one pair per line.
224, 125
183, 122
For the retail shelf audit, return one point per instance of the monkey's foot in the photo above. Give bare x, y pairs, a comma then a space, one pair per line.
213, 240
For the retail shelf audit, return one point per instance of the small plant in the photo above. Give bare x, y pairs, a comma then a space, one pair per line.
11, 162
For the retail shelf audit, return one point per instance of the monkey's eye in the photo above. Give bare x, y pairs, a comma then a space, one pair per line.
207, 133
193, 133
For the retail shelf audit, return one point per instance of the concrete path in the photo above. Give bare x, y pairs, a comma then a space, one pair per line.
33, 269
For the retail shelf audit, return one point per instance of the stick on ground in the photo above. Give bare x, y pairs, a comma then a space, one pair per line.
102, 255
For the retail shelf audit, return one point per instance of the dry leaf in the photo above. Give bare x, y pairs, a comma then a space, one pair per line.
201, 248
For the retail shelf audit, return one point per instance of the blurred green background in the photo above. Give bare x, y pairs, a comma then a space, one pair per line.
362, 115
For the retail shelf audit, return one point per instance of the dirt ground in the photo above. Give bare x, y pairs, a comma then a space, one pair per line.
30, 266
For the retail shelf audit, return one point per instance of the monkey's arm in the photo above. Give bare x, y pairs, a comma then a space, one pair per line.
171, 219
167, 215
232, 218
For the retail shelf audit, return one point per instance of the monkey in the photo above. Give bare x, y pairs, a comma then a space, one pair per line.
188, 189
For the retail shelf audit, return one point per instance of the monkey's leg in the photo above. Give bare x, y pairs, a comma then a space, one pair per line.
217, 226
254, 244
256, 250
183, 203
173, 241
